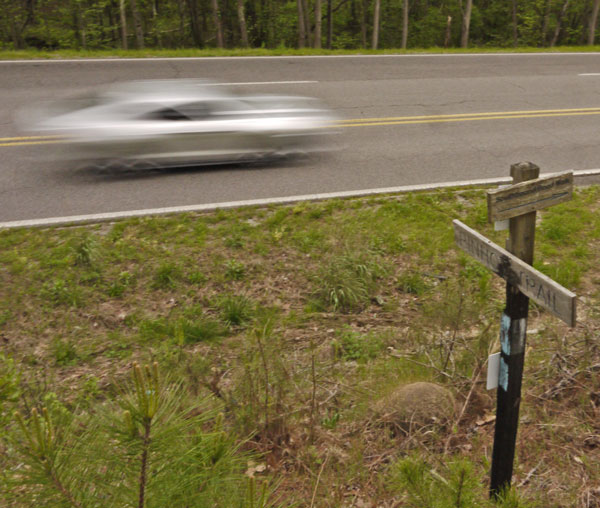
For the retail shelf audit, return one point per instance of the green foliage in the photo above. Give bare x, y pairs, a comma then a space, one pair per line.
150, 448
455, 485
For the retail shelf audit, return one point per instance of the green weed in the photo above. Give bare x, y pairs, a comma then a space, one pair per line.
331, 420
357, 346
86, 251
234, 270
197, 277
58, 292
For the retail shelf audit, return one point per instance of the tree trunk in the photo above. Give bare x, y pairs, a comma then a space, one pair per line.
217, 23
195, 23
558, 22
514, 24
242, 21
305, 11
123, 24
16, 36
81, 22
137, 21
301, 27
329, 23
466, 24
363, 23
544, 34
593, 21
448, 31
181, 21
404, 23
375, 39
318, 24
157, 38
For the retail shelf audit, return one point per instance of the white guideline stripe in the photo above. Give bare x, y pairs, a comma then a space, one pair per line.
261, 83
281, 57
107, 217
589, 74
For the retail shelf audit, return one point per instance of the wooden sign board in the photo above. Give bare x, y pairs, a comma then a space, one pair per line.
532, 283
529, 196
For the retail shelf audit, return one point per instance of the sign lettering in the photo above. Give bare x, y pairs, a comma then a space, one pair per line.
532, 283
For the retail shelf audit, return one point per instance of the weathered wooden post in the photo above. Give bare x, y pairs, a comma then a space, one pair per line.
513, 328
518, 203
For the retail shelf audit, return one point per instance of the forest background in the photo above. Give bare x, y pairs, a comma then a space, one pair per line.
332, 24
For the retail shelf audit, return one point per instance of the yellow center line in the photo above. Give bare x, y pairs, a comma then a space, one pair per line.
464, 115
41, 142
470, 119
27, 138
371, 122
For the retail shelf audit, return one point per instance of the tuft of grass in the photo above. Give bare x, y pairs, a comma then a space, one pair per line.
236, 310
166, 276
200, 330
10, 385
86, 251
347, 282
118, 287
64, 352
412, 283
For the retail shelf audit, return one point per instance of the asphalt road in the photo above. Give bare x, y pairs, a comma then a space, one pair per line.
385, 152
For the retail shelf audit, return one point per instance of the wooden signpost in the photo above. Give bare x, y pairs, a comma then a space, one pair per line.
518, 203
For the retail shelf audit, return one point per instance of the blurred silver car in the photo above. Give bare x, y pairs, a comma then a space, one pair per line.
165, 123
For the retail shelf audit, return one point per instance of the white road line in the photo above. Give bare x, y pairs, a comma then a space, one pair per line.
589, 74
280, 57
110, 216
262, 83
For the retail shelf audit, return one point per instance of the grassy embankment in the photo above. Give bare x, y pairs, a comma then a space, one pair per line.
212, 52
293, 321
